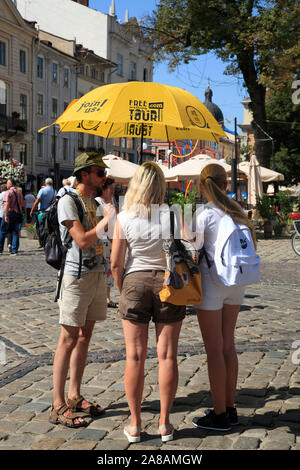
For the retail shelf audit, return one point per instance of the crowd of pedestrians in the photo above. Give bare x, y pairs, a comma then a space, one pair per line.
125, 245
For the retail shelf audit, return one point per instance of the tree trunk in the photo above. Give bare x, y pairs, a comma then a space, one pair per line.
257, 93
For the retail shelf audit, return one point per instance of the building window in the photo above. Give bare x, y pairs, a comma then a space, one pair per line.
40, 104
132, 71
22, 61
145, 75
40, 67
23, 154
66, 78
65, 149
23, 106
93, 72
2, 53
54, 108
119, 65
101, 77
54, 72
3, 98
40, 145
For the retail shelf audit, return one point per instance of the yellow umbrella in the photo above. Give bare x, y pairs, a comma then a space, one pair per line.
140, 109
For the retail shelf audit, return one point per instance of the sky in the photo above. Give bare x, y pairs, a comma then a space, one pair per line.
228, 91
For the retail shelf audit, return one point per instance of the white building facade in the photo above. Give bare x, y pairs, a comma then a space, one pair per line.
54, 88
106, 37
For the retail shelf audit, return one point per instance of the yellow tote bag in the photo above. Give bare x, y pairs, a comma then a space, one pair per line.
182, 282
191, 291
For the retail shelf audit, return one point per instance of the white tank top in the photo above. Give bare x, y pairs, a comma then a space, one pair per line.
145, 239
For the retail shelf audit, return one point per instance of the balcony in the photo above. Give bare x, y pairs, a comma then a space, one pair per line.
12, 125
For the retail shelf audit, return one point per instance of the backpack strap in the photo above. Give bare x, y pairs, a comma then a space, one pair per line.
67, 244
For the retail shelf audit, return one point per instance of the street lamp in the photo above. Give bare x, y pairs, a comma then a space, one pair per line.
6, 146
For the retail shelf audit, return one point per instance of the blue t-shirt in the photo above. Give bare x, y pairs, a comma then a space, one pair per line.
47, 196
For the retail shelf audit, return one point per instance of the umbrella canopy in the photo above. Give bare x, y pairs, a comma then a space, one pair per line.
267, 175
121, 170
191, 169
140, 109
254, 181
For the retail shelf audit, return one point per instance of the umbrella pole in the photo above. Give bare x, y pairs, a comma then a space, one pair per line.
234, 163
142, 142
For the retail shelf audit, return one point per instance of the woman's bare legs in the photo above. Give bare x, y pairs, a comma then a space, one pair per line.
167, 336
230, 315
217, 328
210, 323
136, 339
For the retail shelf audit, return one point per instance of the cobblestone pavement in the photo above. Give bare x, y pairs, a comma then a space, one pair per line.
268, 396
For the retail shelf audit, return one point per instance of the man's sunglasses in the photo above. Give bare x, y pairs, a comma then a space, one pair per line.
100, 173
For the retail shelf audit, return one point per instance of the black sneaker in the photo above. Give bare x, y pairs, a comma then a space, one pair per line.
232, 416
213, 422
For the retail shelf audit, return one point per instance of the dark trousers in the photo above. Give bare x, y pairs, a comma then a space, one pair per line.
13, 226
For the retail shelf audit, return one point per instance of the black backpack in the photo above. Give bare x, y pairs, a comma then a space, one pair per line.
49, 236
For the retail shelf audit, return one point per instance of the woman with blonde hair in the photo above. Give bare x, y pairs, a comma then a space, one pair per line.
139, 229
220, 304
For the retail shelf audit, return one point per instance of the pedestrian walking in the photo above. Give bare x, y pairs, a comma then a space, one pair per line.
82, 300
220, 305
66, 187
45, 197
29, 201
2, 192
139, 228
14, 205
106, 196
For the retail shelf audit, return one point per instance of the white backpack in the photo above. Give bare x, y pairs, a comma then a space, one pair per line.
236, 261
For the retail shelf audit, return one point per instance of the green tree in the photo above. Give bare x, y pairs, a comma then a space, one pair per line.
283, 124
251, 36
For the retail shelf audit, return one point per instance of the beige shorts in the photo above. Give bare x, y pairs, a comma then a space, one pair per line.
82, 299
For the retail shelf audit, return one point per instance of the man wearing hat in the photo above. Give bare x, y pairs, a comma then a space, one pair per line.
82, 300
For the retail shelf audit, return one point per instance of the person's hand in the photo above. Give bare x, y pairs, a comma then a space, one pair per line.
6, 219
110, 212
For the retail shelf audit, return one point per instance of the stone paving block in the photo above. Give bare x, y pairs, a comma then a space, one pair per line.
35, 406
35, 427
112, 444
47, 443
246, 443
216, 443
24, 416
79, 445
91, 434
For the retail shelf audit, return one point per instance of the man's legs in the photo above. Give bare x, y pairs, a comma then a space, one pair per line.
15, 228
66, 344
78, 361
3, 233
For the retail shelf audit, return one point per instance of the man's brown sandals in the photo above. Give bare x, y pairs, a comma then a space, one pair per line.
93, 410
58, 417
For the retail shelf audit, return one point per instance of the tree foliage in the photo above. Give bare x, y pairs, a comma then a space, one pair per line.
283, 124
256, 38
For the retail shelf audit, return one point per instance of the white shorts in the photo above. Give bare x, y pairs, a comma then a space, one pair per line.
214, 296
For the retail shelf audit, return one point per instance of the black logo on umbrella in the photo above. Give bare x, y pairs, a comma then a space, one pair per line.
89, 125
195, 116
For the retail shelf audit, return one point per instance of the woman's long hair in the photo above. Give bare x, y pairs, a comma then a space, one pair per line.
213, 177
146, 187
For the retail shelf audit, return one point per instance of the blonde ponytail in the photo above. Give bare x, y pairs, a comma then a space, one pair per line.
213, 178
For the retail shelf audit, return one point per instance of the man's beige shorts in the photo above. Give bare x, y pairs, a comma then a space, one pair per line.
82, 299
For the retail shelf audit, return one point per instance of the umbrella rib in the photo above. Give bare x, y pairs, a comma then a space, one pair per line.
167, 134
109, 130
